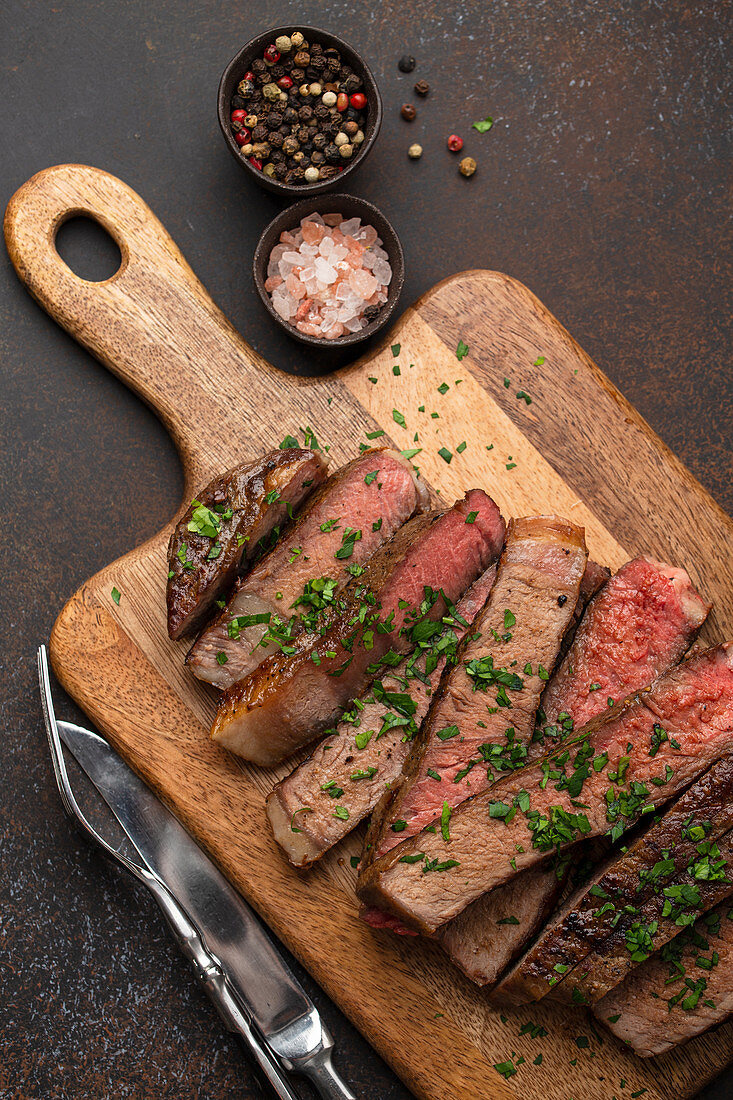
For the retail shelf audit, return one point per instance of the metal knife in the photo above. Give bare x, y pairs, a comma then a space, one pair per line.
267, 991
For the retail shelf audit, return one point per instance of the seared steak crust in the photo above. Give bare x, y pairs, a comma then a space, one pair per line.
289, 699
679, 992
624, 892
352, 767
659, 741
202, 567
374, 495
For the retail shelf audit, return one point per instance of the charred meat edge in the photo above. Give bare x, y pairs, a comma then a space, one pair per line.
292, 473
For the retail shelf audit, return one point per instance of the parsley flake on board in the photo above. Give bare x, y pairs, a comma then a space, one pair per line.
116, 596
398, 418
461, 350
483, 125
445, 454
443, 387
396, 349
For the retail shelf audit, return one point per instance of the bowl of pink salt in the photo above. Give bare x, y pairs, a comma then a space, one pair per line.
330, 270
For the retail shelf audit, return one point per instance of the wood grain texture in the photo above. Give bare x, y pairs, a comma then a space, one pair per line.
578, 448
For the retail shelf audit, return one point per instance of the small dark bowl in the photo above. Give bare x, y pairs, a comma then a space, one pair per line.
239, 65
351, 207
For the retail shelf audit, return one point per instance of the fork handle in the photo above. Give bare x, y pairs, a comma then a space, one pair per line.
213, 980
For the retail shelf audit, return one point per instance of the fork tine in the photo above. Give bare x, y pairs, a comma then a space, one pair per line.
71, 806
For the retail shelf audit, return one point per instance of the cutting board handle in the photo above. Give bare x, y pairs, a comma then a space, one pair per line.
152, 323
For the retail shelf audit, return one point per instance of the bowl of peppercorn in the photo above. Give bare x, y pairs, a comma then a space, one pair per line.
299, 110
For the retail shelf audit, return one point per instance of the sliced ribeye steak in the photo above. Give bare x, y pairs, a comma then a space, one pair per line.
631, 904
637, 627
427, 565
327, 795
679, 992
617, 770
223, 529
357, 510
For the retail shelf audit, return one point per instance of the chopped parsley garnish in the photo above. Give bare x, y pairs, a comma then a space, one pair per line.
204, 522
221, 658
471, 517
116, 596
443, 387
375, 434
445, 454
399, 418
483, 125
396, 349
461, 447
461, 350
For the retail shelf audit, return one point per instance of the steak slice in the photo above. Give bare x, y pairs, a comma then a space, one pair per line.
628, 890
291, 698
679, 992
484, 710
616, 770
223, 529
640, 624
353, 766
654, 606
373, 495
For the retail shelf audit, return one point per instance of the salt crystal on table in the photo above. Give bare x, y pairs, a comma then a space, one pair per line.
349, 228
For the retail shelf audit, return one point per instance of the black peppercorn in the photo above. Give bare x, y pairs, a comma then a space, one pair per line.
422, 88
333, 66
302, 59
290, 115
316, 48
302, 134
245, 88
263, 78
317, 158
280, 171
290, 145
239, 103
258, 65
305, 114
275, 119
371, 312
275, 139
408, 112
276, 71
352, 84
321, 112
260, 132
332, 153
298, 175
351, 115
287, 64
298, 75
318, 63
277, 156
312, 74
320, 141
406, 63
329, 171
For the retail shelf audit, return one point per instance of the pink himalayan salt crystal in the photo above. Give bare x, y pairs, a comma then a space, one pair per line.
324, 273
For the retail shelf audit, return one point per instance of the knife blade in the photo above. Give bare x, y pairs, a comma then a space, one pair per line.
283, 1012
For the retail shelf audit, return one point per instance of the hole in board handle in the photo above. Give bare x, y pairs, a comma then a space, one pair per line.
87, 248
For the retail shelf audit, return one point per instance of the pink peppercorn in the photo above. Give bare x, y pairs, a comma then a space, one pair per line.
239, 115
256, 163
272, 54
243, 136
285, 82
358, 101
455, 143
249, 76
342, 101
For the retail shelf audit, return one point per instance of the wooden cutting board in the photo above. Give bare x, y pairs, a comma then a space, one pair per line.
578, 449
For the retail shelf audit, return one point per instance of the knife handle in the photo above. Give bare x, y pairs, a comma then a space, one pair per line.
213, 980
322, 1075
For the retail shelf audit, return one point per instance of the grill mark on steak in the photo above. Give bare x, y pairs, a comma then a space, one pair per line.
692, 705
543, 560
195, 579
584, 925
342, 763
639, 1012
289, 699
656, 607
308, 552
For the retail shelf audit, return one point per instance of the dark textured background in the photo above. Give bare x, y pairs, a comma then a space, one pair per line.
601, 186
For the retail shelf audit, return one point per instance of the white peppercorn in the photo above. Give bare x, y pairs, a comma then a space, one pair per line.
284, 43
329, 99
346, 150
311, 174
358, 137
341, 138
296, 39
415, 151
315, 88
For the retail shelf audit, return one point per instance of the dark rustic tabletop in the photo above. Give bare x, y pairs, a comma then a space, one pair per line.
601, 186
